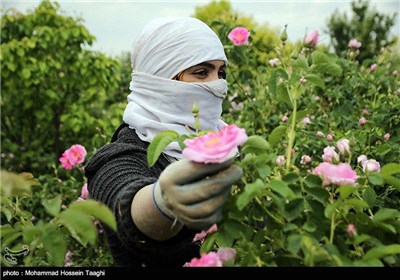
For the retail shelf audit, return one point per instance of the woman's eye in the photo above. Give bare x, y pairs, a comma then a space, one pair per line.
200, 73
222, 74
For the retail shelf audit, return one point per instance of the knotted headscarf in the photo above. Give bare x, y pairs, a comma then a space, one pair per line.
165, 47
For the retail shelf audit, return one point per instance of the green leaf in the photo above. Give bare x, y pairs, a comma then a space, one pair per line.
276, 135
53, 205
263, 170
320, 57
345, 191
250, 192
384, 214
158, 144
96, 209
300, 62
390, 169
328, 68
80, 225
54, 244
380, 252
283, 95
294, 209
369, 196
316, 80
391, 180
319, 194
255, 144
313, 181
281, 188
294, 243
375, 179
272, 82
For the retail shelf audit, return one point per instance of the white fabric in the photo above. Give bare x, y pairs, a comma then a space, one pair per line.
165, 47
157, 104
169, 45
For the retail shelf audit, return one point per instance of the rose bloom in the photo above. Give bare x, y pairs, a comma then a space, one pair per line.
311, 39
212, 259
239, 36
330, 154
340, 174
361, 158
386, 136
206, 260
344, 146
373, 67
305, 160
280, 160
320, 133
84, 191
74, 155
215, 147
370, 165
306, 121
285, 118
354, 44
351, 230
329, 137
274, 62
362, 121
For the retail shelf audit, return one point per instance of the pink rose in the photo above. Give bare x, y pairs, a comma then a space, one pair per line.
311, 39
362, 121
344, 146
305, 159
330, 155
206, 260
215, 147
373, 67
74, 155
239, 36
306, 121
370, 165
213, 259
340, 174
329, 137
361, 158
84, 191
354, 44
320, 133
351, 230
226, 254
274, 62
386, 136
285, 118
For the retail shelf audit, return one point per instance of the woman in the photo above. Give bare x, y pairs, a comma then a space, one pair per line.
176, 62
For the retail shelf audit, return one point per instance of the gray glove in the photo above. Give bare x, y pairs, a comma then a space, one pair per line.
194, 193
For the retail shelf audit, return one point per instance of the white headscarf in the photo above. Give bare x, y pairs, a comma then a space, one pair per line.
164, 48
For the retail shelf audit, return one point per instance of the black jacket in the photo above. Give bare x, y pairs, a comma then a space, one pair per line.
115, 173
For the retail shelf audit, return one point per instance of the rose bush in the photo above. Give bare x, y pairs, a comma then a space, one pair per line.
305, 200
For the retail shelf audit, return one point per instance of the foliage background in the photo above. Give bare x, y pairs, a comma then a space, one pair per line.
56, 91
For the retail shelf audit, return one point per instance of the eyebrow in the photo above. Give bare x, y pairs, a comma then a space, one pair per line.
207, 64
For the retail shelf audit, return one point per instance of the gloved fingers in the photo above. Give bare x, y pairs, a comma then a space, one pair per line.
201, 209
209, 186
202, 223
185, 171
